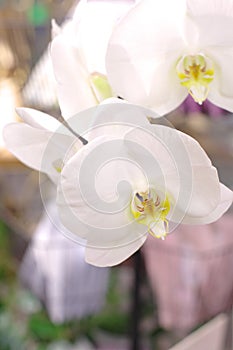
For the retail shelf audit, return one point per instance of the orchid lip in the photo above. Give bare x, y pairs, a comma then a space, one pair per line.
196, 72
151, 209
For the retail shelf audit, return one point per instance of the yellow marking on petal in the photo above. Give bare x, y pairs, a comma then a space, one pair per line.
58, 165
100, 87
196, 72
166, 206
136, 214
148, 209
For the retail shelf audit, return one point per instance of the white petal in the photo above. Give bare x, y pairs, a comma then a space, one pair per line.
82, 47
148, 36
222, 59
74, 228
111, 257
190, 33
96, 185
166, 92
222, 86
215, 15
204, 194
38, 119
124, 76
73, 88
94, 23
149, 150
172, 150
223, 205
37, 148
26, 143
210, 7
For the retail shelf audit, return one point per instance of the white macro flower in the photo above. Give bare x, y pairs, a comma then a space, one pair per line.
122, 179
117, 189
163, 50
78, 54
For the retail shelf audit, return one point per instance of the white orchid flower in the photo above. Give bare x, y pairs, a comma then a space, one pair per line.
121, 187
78, 54
115, 189
161, 51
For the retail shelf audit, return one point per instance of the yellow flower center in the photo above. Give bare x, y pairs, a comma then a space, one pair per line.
100, 87
150, 210
196, 72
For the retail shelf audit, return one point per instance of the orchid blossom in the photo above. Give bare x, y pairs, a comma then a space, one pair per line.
161, 51
78, 54
122, 179
120, 187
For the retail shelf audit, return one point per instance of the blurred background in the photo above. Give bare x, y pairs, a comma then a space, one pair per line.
50, 299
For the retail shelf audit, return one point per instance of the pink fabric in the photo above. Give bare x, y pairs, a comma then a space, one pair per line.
191, 273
